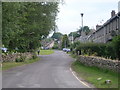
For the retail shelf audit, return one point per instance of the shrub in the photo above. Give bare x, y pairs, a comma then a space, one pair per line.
116, 45
108, 50
21, 59
34, 56
91, 48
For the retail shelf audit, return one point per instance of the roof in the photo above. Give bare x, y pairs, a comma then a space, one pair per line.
108, 21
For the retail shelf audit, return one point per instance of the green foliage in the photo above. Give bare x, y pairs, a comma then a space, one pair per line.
74, 45
25, 23
116, 44
91, 74
75, 34
8, 65
109, 50
86, 29
55, 46
65, 41
34, 56
57, 35
21, 59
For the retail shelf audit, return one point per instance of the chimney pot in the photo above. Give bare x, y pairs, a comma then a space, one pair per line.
113, 13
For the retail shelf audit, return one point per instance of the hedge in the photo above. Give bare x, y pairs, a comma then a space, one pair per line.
107, 50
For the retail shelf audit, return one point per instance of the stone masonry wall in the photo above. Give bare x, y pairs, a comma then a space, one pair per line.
12, 57
100, 62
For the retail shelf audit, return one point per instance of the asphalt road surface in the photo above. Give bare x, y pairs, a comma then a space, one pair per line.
52, 71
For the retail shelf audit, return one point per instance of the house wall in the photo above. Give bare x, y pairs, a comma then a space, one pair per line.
106, 32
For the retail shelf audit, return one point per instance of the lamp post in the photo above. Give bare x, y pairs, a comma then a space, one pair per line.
82, 20
82, 27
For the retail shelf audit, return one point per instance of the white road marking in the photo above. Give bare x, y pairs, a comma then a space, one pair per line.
79, 79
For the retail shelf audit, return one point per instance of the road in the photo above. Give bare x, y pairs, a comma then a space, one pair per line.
52, 71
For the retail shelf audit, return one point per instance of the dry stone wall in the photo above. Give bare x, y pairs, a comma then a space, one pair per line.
12, 57
100, 62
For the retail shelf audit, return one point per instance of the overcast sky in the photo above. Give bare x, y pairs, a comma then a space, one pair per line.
69, 18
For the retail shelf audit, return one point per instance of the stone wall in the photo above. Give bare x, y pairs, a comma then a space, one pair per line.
12, 57
100, 62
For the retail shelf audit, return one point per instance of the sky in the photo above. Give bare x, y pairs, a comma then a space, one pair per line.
95, 12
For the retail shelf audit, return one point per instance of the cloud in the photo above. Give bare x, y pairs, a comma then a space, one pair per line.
94, 11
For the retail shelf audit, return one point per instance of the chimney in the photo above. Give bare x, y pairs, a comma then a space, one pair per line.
98, 26
113, 13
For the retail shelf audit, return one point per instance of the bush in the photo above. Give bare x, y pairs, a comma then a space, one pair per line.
116, 45
34, 56
107, 50
21, 59
91, 48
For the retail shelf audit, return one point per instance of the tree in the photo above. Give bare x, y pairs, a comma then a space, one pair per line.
86, 29
25, 23
75, 34
65, 41
57, 35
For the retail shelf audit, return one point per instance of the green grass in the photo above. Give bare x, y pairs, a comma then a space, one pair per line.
8, 65
91, 74
46, 52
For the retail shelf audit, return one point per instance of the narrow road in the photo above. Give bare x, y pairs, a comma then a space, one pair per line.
52, 71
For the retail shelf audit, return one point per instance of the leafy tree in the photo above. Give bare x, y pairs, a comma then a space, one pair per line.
57, 35
75, 44
75, 34
25, 23
86, 29
65, 41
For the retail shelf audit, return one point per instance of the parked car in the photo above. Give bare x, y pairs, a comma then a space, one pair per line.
66, 50
4, 49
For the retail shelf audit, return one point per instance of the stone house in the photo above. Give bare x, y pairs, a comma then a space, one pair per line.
108, 30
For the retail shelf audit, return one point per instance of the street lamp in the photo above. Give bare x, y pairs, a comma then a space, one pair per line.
82, 20
82, 27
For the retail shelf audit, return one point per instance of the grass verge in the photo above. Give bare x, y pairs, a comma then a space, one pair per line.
96, 76
46, 52
8, 65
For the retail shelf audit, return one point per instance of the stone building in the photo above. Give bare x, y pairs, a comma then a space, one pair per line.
108, 30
